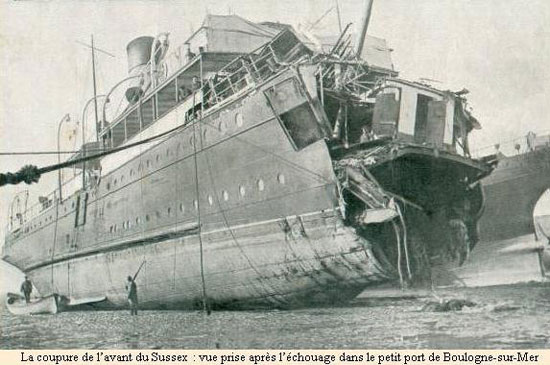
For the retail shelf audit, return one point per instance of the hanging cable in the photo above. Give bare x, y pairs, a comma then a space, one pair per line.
398, 239
405, 243
205, 307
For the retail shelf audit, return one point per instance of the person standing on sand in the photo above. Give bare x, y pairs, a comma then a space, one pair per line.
131, 288
26, 289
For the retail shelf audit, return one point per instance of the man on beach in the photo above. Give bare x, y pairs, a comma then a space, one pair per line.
131, 288
26, 289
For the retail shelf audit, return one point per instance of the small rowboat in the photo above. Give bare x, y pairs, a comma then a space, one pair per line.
16, 305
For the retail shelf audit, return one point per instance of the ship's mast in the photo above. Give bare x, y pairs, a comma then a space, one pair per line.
95, 91
364, 26
338, 15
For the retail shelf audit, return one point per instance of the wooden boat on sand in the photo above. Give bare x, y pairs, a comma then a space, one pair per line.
16, 305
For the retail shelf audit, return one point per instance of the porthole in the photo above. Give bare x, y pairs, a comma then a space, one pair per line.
114, 182
260, 184
158, 158
138, 221
147, 218
204, 134
124, 225
72, 204
239, 120
169, 211
196, 204
192, 141
281, 178
242, 190
121, 178
108, 186
167, 152
210, 200
128, 224
140, 166
221, 126
182, 208
157, 213
132, 172
148, 163
115, 227
225, 195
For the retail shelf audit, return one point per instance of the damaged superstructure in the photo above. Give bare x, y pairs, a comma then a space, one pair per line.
287, 176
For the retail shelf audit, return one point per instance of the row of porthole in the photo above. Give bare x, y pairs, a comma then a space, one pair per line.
225, 195
128, 224
238, 121
148, 164
47, 219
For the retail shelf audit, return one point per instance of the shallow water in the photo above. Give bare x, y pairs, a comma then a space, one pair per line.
516, 316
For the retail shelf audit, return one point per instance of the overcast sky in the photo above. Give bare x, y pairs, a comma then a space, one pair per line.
499, 50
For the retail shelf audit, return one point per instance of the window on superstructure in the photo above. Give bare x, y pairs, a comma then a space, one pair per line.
301, 126
119, 133
147, 113
133, 126
421, 118
166, 98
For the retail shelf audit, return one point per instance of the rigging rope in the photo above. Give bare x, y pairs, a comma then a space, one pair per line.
195, 141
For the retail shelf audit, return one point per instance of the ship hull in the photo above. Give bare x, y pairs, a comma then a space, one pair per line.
219, 200
511, 193
238, 204
314, 261
507, 252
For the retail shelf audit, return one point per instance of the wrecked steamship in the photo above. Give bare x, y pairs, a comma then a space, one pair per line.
297, 173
